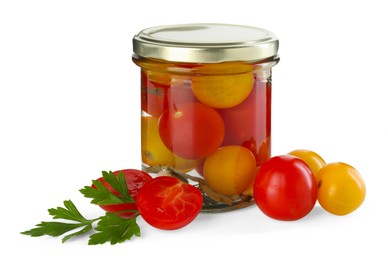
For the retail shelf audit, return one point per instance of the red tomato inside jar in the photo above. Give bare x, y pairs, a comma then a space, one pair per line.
206, 106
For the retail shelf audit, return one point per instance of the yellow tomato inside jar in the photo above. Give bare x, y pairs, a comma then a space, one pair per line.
228, 84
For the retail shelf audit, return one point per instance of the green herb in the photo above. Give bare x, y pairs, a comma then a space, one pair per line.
110, 227
100, 195
152, 91
55, 229
114, 229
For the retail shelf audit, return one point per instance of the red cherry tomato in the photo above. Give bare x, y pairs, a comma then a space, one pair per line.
199, 167
156, 97
285, 188
135, 180
248, 124
191, 130
261, 152
153, 96
167, 203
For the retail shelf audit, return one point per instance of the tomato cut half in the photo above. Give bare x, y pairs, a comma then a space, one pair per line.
135, 180
167, 203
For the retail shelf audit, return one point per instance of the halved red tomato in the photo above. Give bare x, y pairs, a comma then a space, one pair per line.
167, 203
135, 180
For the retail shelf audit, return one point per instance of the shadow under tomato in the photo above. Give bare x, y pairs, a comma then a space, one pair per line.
317, 212
251, 220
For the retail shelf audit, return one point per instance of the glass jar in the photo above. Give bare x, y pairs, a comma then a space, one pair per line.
206, 106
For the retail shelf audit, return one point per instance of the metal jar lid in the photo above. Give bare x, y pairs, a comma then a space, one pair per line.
205, 43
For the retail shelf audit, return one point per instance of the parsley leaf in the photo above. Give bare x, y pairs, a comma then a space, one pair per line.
55, 229
114, 229
101, 195
86, 229
70, 213
118, 183
110, 227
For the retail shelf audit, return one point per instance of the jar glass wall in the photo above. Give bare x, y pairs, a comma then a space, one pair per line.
207, 123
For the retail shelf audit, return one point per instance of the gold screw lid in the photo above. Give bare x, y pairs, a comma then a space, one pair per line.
205, 43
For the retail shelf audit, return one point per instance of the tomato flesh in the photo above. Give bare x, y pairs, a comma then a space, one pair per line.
285, 188
167, 203
135, 180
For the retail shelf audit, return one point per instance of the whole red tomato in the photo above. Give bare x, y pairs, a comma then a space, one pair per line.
285, 188
167, 203
191, 130
135, 180
249, 123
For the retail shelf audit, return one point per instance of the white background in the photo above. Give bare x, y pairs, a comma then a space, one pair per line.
69, 108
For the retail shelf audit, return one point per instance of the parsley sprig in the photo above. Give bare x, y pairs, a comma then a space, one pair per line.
109, 228
114, 229
55, 229
102, 196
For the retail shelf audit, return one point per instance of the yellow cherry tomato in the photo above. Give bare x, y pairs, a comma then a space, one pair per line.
159, 77
184, 165
341, 189
222, 91
153, 150
230, 170
312, 159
